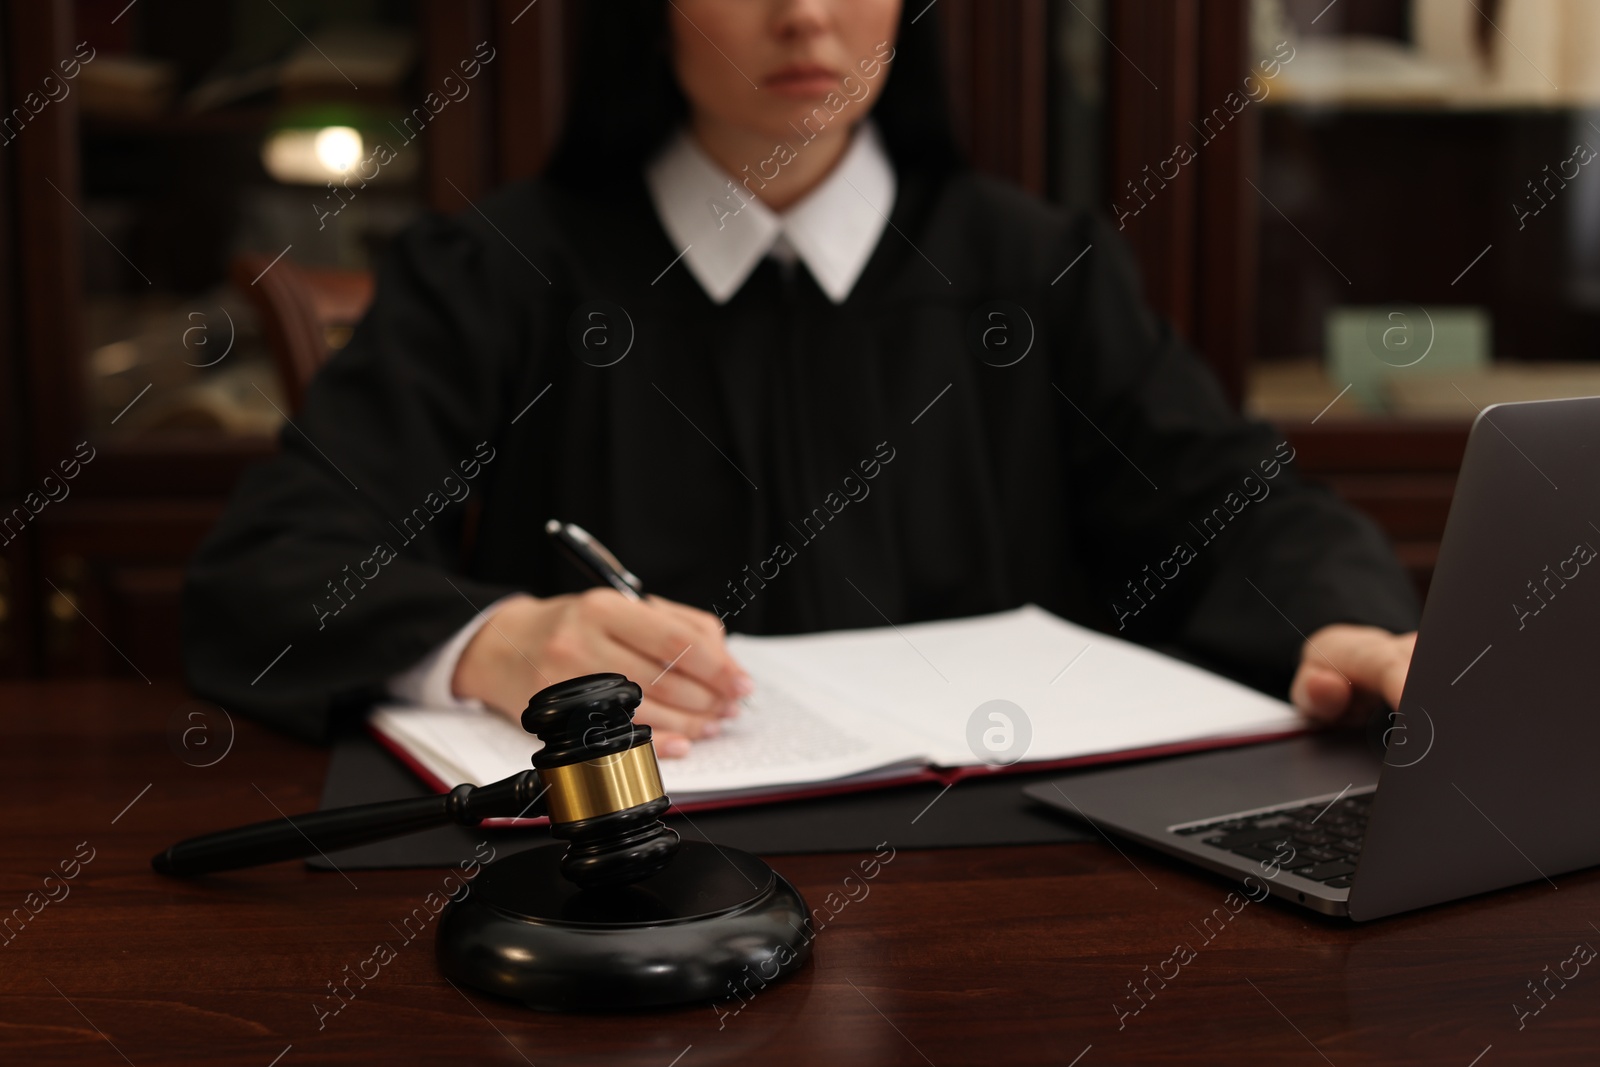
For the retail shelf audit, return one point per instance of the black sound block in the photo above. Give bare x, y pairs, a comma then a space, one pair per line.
714, 923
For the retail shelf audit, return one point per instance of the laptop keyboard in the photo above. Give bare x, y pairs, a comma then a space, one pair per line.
1317, 841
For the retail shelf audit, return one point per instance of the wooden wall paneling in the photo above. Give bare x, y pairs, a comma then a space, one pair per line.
16, 652
138, 469
459, 141
1153, 81
1229, 208
1388, 446
39, 340
13, 436
44, 162
1172, 63
996, 66
537, 43
18, 598
1411, 508
1401, 474
111, 583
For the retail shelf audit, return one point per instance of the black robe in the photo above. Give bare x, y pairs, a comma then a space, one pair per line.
786, 462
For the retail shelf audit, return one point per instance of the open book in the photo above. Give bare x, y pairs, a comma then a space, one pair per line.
930, 701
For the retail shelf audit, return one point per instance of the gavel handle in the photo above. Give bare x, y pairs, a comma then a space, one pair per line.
295, 836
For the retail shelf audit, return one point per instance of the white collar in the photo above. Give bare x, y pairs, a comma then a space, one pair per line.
726, 230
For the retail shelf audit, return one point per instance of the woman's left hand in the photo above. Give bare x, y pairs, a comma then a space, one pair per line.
1346, 669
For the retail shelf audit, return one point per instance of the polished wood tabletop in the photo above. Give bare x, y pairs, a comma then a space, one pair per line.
1046, 954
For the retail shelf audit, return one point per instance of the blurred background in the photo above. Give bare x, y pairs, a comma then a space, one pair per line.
1373, 217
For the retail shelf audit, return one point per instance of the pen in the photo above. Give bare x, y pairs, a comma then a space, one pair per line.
594, 559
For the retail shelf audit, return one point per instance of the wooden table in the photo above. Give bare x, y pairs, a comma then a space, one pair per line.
966, 956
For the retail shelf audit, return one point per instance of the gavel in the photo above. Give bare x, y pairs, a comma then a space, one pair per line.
596, 778
624, 916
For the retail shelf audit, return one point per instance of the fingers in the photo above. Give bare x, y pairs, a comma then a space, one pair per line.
664, 683
1319, 693
677, 655
674, 690
706, 622
672, 730
1341, 664
714, 631
692, 645
689, 709
670, 745
713, 640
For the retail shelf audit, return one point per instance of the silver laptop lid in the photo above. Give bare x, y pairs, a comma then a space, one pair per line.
1493, 781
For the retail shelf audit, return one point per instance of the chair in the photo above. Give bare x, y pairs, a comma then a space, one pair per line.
306, 313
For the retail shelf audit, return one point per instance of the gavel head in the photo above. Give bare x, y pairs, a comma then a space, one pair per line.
603, 788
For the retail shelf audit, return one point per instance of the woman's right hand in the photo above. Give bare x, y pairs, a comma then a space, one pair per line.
677, 654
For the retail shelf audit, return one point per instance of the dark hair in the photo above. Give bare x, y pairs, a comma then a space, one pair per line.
625, 101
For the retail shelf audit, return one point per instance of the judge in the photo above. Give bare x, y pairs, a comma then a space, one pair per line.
760, 331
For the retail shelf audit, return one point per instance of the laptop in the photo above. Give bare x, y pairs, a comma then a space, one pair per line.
1488, 773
